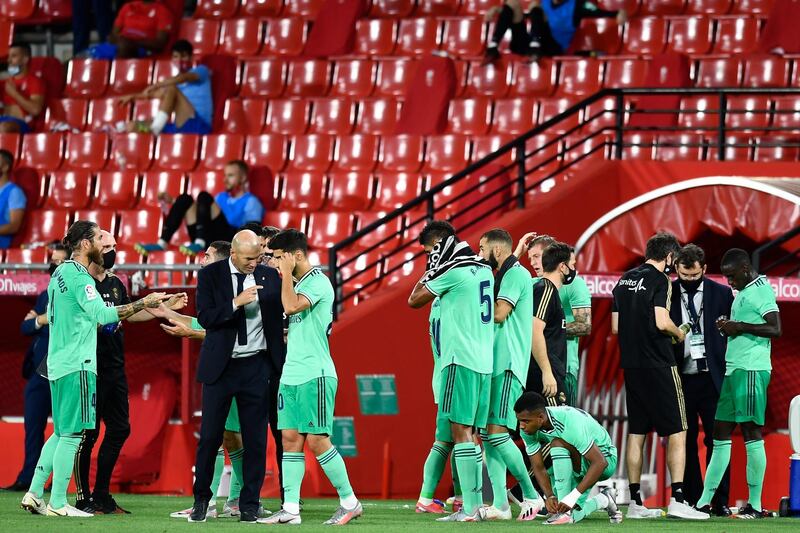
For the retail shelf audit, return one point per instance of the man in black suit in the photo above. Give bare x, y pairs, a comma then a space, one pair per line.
698, 301
239, 305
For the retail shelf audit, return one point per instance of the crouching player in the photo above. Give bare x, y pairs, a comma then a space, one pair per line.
582, 455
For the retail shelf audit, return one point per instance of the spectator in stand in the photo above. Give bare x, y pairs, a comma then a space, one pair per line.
142, 28
23, 92
188, 95
81, 26
12, 201
553, 24
210, 218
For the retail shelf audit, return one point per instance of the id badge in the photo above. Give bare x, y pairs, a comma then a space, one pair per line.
697, 347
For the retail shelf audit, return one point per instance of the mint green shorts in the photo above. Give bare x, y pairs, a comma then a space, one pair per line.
232, 422
308, 407
74, 399
465, 396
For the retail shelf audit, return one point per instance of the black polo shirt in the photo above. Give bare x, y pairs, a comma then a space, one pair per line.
110, 347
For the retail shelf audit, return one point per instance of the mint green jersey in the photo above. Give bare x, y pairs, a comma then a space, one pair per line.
512, 338
574, 426
749, 352
308, 355
576, 295
195, 325
466, 331
74, 309
434, 323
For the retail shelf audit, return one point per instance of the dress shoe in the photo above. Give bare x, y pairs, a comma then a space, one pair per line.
248, 517
199, 512
721, 510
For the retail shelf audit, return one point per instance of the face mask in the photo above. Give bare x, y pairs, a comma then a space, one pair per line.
570, 276
691, 285
109, 258
13, 70
52, 268
669, 268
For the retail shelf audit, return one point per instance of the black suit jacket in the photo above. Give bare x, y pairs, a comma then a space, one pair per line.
215, 313
717, 301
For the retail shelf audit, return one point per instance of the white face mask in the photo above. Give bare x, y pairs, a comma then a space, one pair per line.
13, 70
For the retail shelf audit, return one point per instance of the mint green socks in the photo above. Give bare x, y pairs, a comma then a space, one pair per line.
63, 463
336, 471
433, 469
44, 467
219, 465
720, 458
236, 473
562, 471
464, 453
756, 467
294, 468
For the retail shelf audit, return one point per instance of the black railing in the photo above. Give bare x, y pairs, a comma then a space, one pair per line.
517, 169
783, 256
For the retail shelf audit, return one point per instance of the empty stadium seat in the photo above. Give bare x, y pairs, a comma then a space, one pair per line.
210, 181
489, 144
140, 225
766, 71
350, 191
132, 151
378, 116
326, 229
396, 189
107, 111
176, 152
353, 77
787, 113
719, 72
400, 266
303, 8
160, 278
87, 78
514, 116
598, 35
737, 148
289, 117
42, 151
163, 69
216, 9
44, 226
306, 191
241, 36
116, 189
105, 218
752, 6
446, 153
680, 147
71, 189
534, 79
217, 149
285, 219
771, 149
489, 80
708, 7
392, 8
463, 36
11, 142
263, 78
393, 76
375, 37
333, 116
478, 7
71, 111
735, 35
661, 7
261, 8
356, 152
285, 36
17, 9
308, 78
387, 235
402, 153
550, 107
638, 146
624, 72
6, 36
579, 76
27, 256
417, 36
145, 110
311, 152
469, 116
129, 76
543, 152
202, 33
154, 182
244, 115
645, 35
698, 112
86, 150
690, 35
266, 150
750, 112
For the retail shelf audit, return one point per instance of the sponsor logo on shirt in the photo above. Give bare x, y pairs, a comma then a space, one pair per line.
90, 292
633, 285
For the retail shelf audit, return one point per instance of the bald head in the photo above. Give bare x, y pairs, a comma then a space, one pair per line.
246, 251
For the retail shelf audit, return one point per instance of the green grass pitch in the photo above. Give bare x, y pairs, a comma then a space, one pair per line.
151, 514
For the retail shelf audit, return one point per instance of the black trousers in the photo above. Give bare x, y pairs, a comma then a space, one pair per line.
520, 38
206, 228
247, 380
112, 409
700, 396
274, 382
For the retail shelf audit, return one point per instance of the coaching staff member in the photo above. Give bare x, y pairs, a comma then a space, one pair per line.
654, 399
699, 301
239, 306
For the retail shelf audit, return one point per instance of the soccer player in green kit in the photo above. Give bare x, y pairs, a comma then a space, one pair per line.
513, 324
590, 457
74, 311
463, 282
755, 320
577, 303
308, 383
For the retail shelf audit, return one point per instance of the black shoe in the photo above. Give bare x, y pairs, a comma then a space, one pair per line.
87, 506
491, 55
704, 509
106, 504
721, 510
248, 517
16, 487
748, 513
199, 512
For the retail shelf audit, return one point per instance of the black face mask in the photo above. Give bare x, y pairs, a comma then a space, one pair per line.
691, 285
109, 258
52, 268
669, 268
570, 276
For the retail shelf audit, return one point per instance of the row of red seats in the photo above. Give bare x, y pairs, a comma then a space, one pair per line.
694, 147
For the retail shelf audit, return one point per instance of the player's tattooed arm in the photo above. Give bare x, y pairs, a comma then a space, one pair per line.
153, 299
582, 326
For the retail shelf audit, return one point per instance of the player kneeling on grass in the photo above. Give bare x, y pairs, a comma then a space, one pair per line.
582, 454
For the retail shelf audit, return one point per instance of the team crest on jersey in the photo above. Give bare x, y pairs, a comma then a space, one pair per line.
90, 292
115, 292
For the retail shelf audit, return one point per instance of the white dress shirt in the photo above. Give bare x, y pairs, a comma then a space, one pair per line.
255, 326
689, 364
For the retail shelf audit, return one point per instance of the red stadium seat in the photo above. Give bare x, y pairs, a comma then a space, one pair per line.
260, 8
534, 79
682, 147
244, 116
639, 147
392, 8
290, 117
400, 266
202, 33
306, 191
447, 153
690, 35
210, 181
699, 112
140, 225
176, 152
129, 76
489, 144
132, 151
87, 78
161, 278
489, 80
625, 72
736, 35
326, 229
580, 151
646, 35
285, 37
661, 7
766, 71
478, 7
285, 220
216, 9
396, 189
163, 69
401, 153
579, 77
417, 36
469, 116
350, 191
769, 149
388, 235
71, 189
737, 148
11, 142
708, 7
44, 226
105, 111
752, 6
719, 72
154, 182
598, 35
263, 78
543, 152
332, 116
750, 112
71, 111
86, 151
311, 152
550, 107
27, 256
356, 152
116, 189
308, 78
353, 77
787, 113
6, 36
463, 36
105, 218
42, 151
241, 37
514, 116
303, 8
145, 110
17, 9
266, 150
375, 37
217, 149
437, 7
393, 76
378, 116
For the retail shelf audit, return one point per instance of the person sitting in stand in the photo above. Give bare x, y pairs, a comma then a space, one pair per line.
22, 92
141, 28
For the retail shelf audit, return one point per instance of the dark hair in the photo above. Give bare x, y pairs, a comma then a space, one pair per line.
498, 235
57, 247
7, 156
270, 231
543, 240
436, 230
78, 231
182, 46
691, 254
289, 240
554, 255
25, 47
238, 163
223, 248
660, 245
530, 401
255, 227
735, 257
